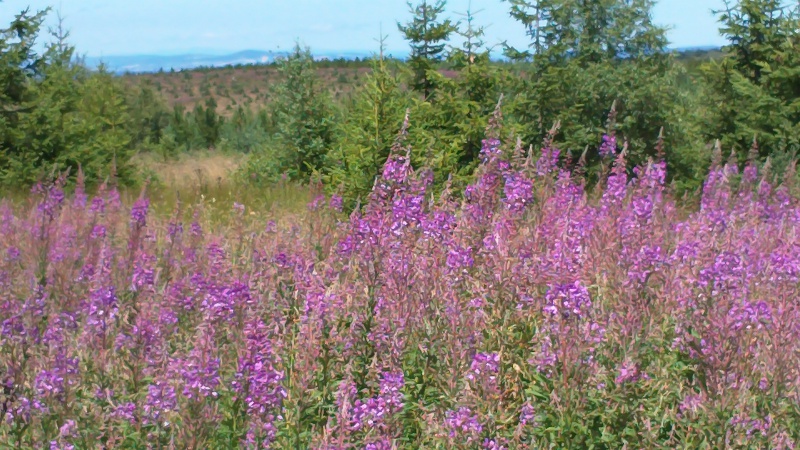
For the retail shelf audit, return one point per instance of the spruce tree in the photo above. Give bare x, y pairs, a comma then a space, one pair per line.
105, 137
20, 66
754, 91
208, 122
472, 49
476, 89
149, 115
302, 117
584, 56
427, 35
365, 139
56, 114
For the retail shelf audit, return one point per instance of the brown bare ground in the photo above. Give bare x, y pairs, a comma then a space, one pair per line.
232, 87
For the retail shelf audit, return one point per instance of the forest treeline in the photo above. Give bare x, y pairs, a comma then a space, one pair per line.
596, 76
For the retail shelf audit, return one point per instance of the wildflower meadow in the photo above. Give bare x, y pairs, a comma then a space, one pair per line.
532, 312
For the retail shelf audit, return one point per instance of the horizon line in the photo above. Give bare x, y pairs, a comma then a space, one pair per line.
221, 53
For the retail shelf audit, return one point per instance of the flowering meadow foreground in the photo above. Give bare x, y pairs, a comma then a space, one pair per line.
529, 315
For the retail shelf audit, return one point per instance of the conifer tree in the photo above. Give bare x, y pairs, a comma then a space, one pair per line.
208, 122
57, 115
149, 115
427, 35
365, 139
472, 50
477, 88
244, 132
20, 65
303, 114
105, 137
303, 118
584, 56
754, 91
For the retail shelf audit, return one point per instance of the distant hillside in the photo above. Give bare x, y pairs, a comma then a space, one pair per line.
244, 79
155, 63
247, 85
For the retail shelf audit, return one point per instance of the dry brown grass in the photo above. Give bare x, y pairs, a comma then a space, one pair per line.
208, 179
193, 170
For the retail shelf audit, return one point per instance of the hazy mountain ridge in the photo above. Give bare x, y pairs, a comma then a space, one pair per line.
154, 63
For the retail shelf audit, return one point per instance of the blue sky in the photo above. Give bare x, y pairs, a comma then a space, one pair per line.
124, 27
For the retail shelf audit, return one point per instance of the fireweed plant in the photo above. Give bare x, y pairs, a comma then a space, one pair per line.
527, 314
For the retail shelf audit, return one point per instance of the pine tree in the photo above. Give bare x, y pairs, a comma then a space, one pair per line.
754, 92
477, 88
20, 66
427, 36
56, 114
105, 137
365, 139
584, 56
208, 122
302, 117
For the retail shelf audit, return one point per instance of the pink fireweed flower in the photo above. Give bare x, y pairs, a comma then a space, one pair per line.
567, 300
484, 367
54, 198
527, 415
548, 161
493, 444
628, 373
160, 401
69, 429
12, 254
259, 381
391, 389
336, 203
609, 146
102, 309
546, 358
196, 230
125, 412
749, 315
98, 205
463, 424
139, 213
396, 170
174, 230
490, 149
98, 232
382, 443
518, 192
690, 403
53, 383
373, 412
368, 413
316, 203
460, 258
752, 426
